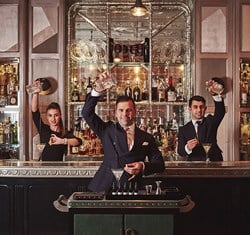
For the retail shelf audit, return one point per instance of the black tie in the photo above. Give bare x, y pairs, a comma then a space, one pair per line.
198, 123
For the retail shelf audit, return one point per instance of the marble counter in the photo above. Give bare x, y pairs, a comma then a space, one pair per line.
87, 169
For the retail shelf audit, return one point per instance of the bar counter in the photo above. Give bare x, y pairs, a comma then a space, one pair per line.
87, 169
220, 191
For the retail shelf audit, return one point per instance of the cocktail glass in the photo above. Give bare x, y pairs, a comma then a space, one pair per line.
117, 173
158, 187
40, 147
207, 147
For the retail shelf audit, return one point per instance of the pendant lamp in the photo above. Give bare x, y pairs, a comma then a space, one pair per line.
138, 9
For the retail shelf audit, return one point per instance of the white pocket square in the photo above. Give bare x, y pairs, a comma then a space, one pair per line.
145, 143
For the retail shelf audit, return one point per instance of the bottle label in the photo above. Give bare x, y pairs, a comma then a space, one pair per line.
74, 98
171, 96
13, 100
161, 96
74, 150
136, 96
1, 138
244, 98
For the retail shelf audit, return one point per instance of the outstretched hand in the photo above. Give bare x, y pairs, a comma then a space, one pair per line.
215, 87
103, 82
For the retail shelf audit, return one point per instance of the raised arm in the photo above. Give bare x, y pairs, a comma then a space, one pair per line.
34, 102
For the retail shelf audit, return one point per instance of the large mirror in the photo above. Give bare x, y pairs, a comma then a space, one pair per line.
106, 36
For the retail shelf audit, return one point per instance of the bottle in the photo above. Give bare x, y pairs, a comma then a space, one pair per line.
170, 91
15, 133
145, 93
74, 149
1, 133
156, 133
89, 86
3, 89
161, 91
82, 91
75, 93
128, 90
154, 89
125, 53
139, 53
149, 126
13, 98
136, 93
244, 98
117, 50
7, 133
111, 48
146, 50
179, 91
142, 124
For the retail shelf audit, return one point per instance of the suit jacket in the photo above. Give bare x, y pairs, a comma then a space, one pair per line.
116, 152
207, 133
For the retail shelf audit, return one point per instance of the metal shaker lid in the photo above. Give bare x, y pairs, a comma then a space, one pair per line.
49, 85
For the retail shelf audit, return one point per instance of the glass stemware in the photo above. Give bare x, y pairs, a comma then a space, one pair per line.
117, 173
207, 147
158, 187
40, 147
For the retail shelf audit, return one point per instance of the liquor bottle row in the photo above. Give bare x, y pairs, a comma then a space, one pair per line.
245, 85
167, 89
9, 84
164, 132
245, 136
8, 132
162, 90
125, 52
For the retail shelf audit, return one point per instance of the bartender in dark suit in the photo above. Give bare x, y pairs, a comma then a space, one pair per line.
202, 129
125, 145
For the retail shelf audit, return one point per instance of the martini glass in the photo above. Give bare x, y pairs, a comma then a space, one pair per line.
117, 173
158, 187
40, 148
207, 147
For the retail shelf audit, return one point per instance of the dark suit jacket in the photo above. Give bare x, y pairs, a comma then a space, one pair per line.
207, 133
116, 152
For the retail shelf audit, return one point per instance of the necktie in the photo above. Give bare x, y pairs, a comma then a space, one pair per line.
197, 125
130, 138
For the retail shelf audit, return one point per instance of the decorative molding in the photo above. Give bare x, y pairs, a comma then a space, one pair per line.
83, 169
47, 172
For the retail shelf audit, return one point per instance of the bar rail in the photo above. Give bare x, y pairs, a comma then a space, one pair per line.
84, 169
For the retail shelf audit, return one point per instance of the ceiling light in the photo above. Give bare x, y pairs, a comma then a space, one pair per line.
138, 9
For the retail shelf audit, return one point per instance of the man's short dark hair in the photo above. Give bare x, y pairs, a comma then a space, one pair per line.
124, 98
196, 98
